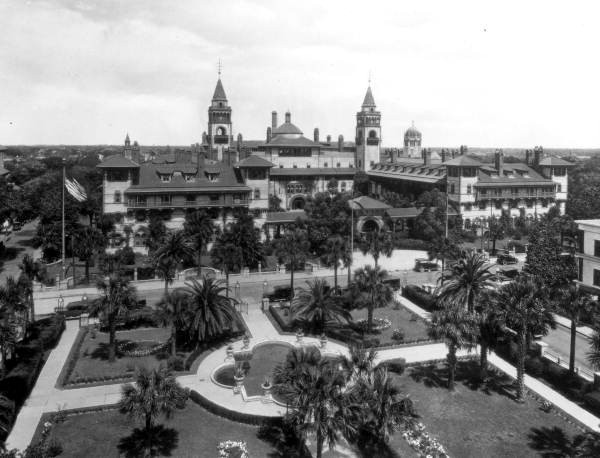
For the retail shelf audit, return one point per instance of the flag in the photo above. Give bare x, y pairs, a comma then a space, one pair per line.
75, 189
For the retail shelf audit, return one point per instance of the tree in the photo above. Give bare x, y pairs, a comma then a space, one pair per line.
466, 281
337, 252
491, 329
523, 304
211, 311
293, 248
496, 230
274, 203
244, 234
377, 244
458, 328
89, 242
157, 231
371, 281
155, 392
30, 271
118, 298
319, 404
361, 184
315, 306
226, 255
169, 254
361, 362
443, 248
199, 227
12, 303
172, 311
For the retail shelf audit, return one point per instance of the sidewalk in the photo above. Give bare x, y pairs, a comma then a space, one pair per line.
583, 330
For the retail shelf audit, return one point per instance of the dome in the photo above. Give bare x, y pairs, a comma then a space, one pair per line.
412, 132
287, 128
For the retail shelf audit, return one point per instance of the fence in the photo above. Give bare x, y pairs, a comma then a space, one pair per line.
564, 362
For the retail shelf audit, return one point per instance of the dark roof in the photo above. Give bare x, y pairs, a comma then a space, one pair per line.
254, 162
252, 143
285, 217
368, 203
219, 91
463, 161
514, 174
410, 170
3, 171
556, 161
150, 180
413, 212
412, 132
117, 161
287, 128
280, 172
369, 100
3, 148
285, 141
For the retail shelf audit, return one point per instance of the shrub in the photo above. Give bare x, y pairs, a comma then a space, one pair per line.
175, 363
396, 365
420, 297
534, 366
398, 335
410, 244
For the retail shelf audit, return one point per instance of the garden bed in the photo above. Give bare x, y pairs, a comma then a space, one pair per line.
476, 420
193, 431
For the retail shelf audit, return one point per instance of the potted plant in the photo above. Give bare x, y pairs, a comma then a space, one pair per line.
266, 386
238, 377
323, 340
229, 351
246, 341
299, 335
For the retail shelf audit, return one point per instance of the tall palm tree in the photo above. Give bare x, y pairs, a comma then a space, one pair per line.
523, 303
226, 255
371, 281
337, 252
376, 244
360, 363
315, 305
199, 227
458, 328
445, 249
319, 403
467, 280
593, 355
89, 242
491, 329
293, 247
296, 361
211, 311
175, 249
154, 393
172, 311
574, 302
118, 298
30, 271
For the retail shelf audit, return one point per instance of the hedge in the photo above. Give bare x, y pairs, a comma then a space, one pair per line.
411, 244
420, 297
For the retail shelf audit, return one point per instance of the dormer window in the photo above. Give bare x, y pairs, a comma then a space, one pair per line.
165, 178
212, 177
189, 178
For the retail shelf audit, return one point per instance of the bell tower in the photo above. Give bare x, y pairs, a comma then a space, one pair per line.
220, 135
368, 133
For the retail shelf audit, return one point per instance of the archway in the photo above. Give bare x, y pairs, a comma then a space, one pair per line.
369, 224
221, 131
297, 203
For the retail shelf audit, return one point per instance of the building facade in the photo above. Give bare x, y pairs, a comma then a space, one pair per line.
588, 255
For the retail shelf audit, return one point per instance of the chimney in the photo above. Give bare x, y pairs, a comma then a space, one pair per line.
204, 138
453, 153
316, 135
499, 162
239, 144
528, 156
341, 143
538, 154
288, 117
200, 158
268, 134
273, 120
427, 157
444, 152
329, 139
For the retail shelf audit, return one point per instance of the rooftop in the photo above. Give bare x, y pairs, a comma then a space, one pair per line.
310, 171
254, 162
117, 161
368, 203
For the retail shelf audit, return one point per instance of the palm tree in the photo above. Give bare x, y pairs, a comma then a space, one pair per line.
118, 298
293, 248
319, 403
226, 256
30, 270
296, 361
172, 311
371, 281
211, 311
467, 280
360, 363
522, 302
376, 244
593, 355
154, 393
491, 330
574, 302
443, 248
337, 252
458, 328
89, 242
199, 227
175, 249
315, 305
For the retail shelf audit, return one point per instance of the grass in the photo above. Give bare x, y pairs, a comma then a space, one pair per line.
476, 420
191, 432
92, 358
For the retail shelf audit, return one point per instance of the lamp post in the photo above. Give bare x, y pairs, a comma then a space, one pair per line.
237, 290
265, 285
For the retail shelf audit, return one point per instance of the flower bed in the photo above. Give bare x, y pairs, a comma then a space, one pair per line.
141, 348
379, 324
422, 442
233, 449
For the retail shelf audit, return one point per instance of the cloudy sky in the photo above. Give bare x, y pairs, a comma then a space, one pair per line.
503, 73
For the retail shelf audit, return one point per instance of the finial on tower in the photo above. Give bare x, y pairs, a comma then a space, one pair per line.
219, 68
369, 77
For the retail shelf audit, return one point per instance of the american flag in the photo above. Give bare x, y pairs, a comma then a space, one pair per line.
75, 189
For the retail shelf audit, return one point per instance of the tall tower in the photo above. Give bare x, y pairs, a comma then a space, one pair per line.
368, 133
220, 135
412, 142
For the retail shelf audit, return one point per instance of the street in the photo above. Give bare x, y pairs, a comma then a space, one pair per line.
559, 341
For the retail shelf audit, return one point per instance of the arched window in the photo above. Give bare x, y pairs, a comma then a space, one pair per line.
221, 131
295, 188
256, 193
372, 134
117, 198
343, 185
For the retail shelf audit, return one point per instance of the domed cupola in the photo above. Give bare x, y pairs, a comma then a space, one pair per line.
412, 133
287, 129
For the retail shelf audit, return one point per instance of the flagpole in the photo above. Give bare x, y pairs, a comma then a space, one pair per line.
63, 221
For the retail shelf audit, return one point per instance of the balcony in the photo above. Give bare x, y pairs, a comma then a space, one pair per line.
509, 195
199, 203
372, 141
221, 139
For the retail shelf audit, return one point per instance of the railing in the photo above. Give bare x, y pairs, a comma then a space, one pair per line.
508, 195
564, 362
188, 204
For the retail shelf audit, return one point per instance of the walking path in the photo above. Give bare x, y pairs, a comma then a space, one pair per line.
45, 397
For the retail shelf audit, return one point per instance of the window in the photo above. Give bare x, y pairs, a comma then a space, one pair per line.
482, 205
498, 205
338, 165
596, 277
359, 163
597, 248
343, 185
558, 188
308, 166
165, 178
483, 192
190, 198
580, 269
295, 166
117, 198
529, 203
452, 188
325, 164
560, 171
468, 207
514, 203
256, 193
165, 199
468, 189
214, 197
257, 174
189, 178
212, 177
294, 187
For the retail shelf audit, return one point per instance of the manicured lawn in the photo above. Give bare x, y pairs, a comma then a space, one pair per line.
474, 421
192, 432
92, 358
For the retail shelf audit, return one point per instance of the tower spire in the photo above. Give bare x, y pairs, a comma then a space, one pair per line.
219, 68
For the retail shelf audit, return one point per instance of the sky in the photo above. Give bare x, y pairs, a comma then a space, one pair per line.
480, 73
